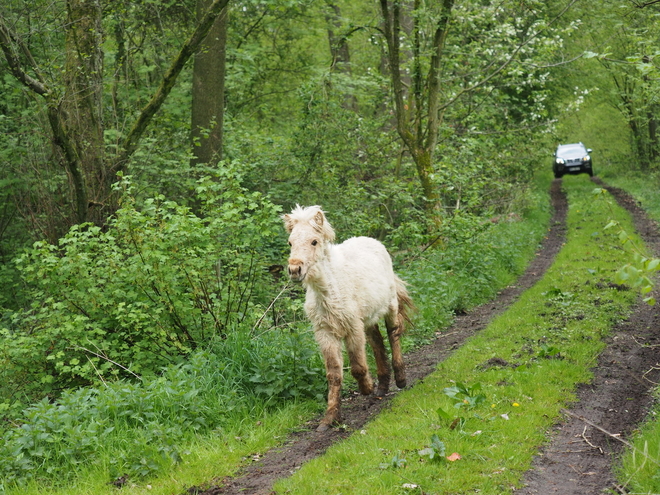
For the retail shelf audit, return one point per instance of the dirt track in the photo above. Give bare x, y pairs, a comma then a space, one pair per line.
579, 458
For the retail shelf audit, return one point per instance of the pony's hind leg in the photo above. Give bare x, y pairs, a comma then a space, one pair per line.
394, 330
377, 344
334, 362
355, 347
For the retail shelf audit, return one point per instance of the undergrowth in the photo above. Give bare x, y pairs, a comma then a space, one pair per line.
136, 430
469, 270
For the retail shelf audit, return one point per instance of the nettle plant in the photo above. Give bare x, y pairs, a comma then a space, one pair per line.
468, 397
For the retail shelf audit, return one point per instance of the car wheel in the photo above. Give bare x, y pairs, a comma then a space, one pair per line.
558, 175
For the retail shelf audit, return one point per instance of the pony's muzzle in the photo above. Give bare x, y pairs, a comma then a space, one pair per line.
296, 270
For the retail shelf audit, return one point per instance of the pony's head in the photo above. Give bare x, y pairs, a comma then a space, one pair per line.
309, 235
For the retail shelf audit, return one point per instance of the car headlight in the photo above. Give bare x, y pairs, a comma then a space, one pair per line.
559, 161
586, 158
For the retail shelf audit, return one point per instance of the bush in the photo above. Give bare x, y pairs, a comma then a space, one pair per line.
144, 292
292, 369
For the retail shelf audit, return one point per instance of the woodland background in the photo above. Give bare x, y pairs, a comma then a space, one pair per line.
147, 149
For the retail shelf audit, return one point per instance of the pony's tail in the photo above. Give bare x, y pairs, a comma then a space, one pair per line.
406, 306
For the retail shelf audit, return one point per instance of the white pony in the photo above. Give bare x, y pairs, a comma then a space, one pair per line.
350, 287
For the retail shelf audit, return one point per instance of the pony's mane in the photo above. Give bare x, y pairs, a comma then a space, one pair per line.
310, 215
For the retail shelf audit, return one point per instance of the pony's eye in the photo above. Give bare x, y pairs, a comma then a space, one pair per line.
315, 242
290, 243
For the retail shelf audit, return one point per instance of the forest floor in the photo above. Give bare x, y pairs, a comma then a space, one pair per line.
581, 449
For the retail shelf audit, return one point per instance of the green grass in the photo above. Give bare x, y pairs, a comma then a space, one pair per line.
639, 468
551, 337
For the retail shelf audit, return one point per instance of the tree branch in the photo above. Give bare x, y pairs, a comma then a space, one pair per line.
252, 28
645, 4
7, 42
130, 144
439, 39
557, 64
392, 31
71, 161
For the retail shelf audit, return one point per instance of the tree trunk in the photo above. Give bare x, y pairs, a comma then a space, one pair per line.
119, 69
341, 57
417, 119
208, 98
637, 132
188, 49
653, 134
81, 107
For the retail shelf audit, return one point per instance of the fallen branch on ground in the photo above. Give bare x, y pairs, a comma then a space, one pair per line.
611, 435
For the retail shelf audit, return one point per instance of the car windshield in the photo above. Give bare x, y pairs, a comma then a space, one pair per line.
571, 150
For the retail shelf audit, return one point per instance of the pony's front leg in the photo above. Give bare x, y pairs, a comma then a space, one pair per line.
334, 361
355, 347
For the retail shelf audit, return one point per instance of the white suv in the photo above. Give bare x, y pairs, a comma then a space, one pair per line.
572, 159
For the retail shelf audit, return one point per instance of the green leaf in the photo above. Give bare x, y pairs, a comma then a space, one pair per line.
444, 415
428, 451
653, 264
438, 445
452, 391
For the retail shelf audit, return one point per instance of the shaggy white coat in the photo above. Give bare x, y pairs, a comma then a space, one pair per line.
350, 287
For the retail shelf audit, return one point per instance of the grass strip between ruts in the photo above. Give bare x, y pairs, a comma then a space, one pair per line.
516, 374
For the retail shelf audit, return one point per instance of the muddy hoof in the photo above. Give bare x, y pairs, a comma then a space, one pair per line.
366, 387
401, 383
330, 420
323, 427
381, 392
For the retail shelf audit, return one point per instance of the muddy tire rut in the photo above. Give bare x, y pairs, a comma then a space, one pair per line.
578, 458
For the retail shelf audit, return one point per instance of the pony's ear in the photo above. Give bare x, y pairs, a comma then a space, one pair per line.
322, 225
288, 222
319, 220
